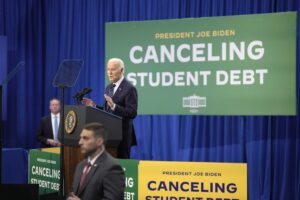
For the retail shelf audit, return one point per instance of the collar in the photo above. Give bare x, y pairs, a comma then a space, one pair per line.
118, 82
53, 115
92, 161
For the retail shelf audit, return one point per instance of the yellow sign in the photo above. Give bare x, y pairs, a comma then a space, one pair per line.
51, 150
192, 181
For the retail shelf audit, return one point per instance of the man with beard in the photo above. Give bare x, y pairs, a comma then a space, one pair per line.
100, 176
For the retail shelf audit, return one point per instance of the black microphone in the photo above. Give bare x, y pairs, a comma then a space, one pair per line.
86, 91
79, 95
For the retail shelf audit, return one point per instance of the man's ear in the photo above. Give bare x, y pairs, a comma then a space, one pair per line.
99, 141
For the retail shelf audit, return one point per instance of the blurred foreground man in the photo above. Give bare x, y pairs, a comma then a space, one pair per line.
99, 176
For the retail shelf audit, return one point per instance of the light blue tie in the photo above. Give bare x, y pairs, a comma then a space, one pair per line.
55, 127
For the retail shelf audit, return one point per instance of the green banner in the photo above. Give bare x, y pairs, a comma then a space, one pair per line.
44, 169
130, 168
231, 65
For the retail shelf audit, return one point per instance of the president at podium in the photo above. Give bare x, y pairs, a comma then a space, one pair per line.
120, 99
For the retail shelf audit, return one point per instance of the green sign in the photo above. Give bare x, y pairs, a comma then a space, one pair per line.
44, 169
130, 168
231, 65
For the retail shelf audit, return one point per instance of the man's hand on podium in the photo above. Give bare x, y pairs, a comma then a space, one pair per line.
88, 102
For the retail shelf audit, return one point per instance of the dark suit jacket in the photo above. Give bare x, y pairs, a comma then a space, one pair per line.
105, 180
126, 100
45, 130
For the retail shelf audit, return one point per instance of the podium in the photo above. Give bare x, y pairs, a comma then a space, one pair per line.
75, 118
78, 116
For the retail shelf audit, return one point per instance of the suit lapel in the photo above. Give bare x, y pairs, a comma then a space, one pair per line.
119, 90
78, 175
106, 92
50, 127
91, 173
87, 178
107, 88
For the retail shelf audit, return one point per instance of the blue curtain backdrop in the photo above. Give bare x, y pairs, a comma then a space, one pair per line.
43, 32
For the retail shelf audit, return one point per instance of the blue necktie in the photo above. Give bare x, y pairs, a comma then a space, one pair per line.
55, 128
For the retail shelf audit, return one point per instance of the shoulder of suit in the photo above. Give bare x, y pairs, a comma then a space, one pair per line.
128, 83
46, 117
107, 158
114, 162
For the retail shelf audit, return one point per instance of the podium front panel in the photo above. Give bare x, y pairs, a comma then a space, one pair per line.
76, 117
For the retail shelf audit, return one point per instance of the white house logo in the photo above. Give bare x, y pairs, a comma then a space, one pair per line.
193, 102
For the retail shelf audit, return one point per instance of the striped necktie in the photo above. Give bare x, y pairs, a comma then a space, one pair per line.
111, 90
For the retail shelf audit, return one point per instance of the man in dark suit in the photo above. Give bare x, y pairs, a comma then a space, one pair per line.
120, 99
100, 176
48, 129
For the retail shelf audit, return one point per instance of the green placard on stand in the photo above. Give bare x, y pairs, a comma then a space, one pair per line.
44, 169
130, 168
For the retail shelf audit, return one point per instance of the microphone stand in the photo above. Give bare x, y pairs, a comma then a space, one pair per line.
62, 149
65, 77
78, 100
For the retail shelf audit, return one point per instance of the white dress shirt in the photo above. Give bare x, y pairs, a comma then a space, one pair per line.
55, 137
118, 83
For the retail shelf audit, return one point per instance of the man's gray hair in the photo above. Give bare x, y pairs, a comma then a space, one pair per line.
119, 61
